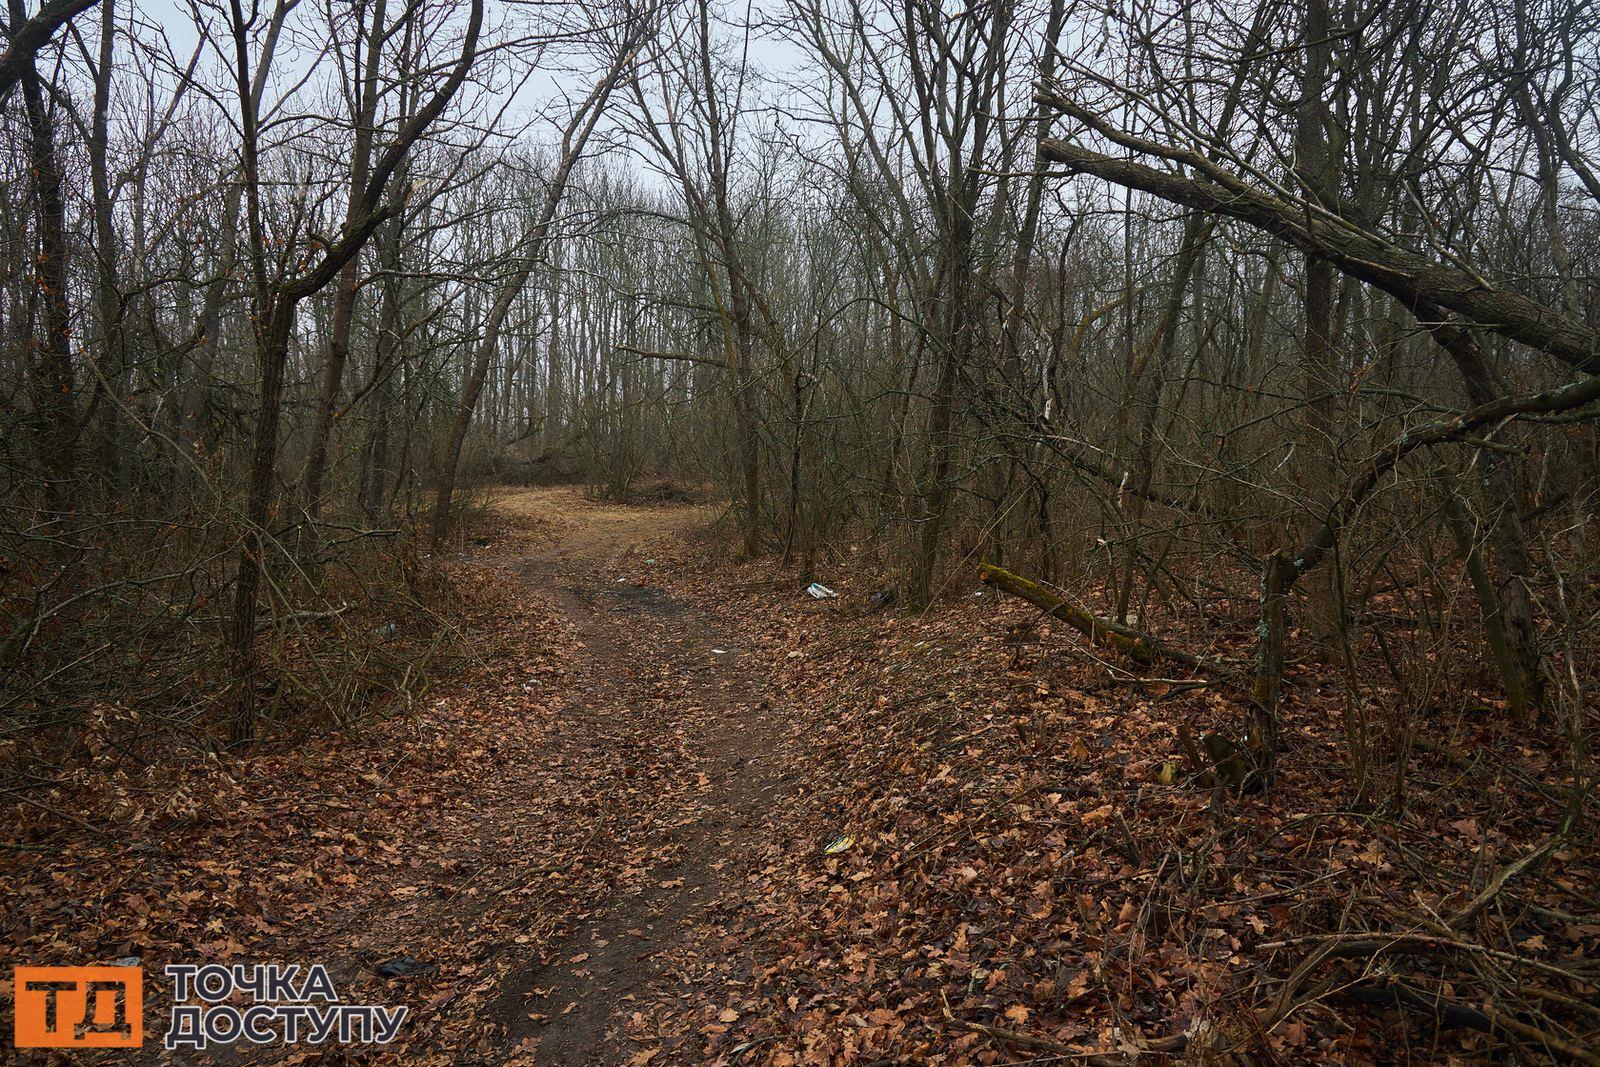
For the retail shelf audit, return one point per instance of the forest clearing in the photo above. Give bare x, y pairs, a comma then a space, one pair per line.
813, 532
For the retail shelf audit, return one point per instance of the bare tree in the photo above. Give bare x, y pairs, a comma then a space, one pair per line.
275, 302
575, 136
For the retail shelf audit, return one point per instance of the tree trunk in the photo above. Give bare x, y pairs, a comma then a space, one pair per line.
274, 311
1150, 375
744, 400
1316, 169
1012, 373
1105, 633
272, 347
1506, 534
387, 353
55, 409
110, 307
1415, 280
1277, 575
553, 402
1512, 679
344, 301
936, 491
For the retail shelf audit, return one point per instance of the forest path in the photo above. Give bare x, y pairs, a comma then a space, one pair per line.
654, 675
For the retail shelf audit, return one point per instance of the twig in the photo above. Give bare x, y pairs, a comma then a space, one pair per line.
1483, 1019
1501, 877
1344, 946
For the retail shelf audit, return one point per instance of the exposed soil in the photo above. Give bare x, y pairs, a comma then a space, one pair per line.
537, 840
654, 673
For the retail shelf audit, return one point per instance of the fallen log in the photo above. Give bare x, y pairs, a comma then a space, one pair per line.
1106, 633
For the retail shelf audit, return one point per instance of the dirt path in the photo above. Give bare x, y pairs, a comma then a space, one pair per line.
654, 674
529, 859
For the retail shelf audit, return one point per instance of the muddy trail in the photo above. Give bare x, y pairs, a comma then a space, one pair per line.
653, 674
612, 765
521, 857
650, 673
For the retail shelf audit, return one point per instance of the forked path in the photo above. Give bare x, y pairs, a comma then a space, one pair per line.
655, 675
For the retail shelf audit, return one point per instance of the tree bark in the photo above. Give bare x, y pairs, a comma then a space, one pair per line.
1506, 534
110, 307
385, 364
26, 36
1277, 575
1512, 678
344, 301
54, 380
1315, 168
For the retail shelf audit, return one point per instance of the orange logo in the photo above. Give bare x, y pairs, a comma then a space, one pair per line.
79, 1007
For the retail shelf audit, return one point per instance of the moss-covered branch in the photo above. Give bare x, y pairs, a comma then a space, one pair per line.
1106, 633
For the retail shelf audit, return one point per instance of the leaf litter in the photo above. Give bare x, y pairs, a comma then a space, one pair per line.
869, 838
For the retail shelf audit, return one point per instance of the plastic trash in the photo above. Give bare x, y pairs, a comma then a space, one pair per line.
402, 966
388, 629
819, 591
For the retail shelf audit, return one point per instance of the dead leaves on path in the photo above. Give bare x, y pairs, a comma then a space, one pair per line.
468, 837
